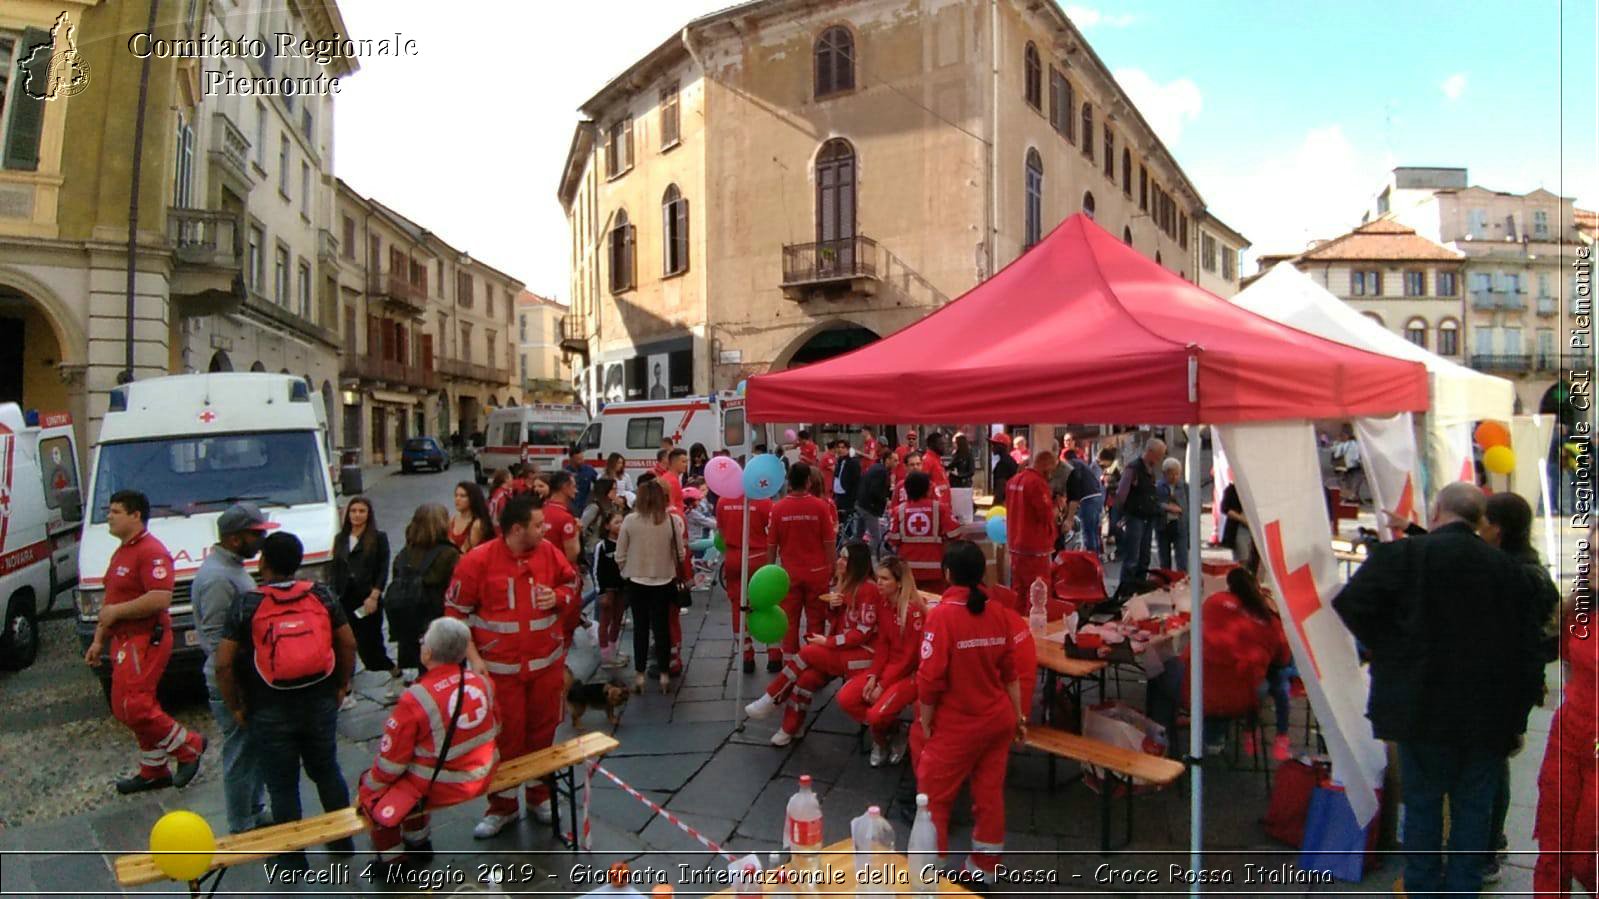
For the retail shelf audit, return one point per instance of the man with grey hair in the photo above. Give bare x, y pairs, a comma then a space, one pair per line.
1454, 671
1135, 494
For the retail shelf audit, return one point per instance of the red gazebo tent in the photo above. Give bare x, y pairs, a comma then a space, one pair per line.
1082, 328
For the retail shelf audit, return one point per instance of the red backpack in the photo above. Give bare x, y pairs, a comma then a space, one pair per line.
293, 636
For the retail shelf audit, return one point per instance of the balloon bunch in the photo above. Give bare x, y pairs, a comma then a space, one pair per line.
1494, 439
768, 585
995, 526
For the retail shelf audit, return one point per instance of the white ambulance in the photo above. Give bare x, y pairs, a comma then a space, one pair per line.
41, 509
540, 432
636, 429
194, 445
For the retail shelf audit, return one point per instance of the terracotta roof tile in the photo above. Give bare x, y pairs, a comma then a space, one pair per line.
1383, 240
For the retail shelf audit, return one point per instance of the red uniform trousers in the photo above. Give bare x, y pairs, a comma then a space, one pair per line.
810, 671
961, 748
805, 596
732, 574
883, 715
136, 668
1024, 568
529, 711
1568, 806
412, 830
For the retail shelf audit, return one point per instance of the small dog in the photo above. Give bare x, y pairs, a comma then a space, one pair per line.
610, 696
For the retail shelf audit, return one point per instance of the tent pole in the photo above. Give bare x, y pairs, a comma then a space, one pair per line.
743, 618
1196, 643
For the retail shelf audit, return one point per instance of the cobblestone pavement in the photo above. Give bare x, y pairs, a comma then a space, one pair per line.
61, 751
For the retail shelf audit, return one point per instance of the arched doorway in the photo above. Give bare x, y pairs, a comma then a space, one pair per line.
257, 366
35, 352
833, 339
220, 362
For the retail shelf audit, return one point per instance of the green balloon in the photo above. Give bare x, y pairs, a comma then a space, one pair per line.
768, 625
719, 543
768, 586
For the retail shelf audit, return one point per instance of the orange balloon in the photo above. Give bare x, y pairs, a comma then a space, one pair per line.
1490, 434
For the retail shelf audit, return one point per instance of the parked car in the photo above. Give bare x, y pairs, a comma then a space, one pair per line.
423, 452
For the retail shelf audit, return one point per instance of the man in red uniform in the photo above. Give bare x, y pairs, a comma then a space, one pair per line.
869, 444
918, 530
802, 535
138, 590
730, 524
672, 478
908, 447
807, 449
1030, 523
911, 463
659, 468
401, 776
514, 592
561, 524
933, 464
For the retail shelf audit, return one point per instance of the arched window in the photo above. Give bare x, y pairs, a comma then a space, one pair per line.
621, 253
221, 362
1127, 236
674, 232
835, 61
1088, 130
835, 202
257, 366
1374, 317
1088, 203
1127, 172
1033, 77
1033, 227
1448, 337
1110, 153
1416, 332
1157, 258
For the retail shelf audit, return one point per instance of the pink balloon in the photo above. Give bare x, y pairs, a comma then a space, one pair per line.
724, 476
789, 435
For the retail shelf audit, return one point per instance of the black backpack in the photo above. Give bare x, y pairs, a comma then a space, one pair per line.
405, 590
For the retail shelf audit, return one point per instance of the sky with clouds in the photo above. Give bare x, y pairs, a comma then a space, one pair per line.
1286, 116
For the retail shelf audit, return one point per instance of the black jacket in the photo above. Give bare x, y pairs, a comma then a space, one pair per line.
961, 468
1004, 470
872, 494
356, 573
848, 472
1452, 638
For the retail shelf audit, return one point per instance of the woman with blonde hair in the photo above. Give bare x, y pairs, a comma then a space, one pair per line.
422, 571
877, 697
650, 548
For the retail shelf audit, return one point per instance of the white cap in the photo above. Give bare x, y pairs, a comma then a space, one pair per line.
921, 800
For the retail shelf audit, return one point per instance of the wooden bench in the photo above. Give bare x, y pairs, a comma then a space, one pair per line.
553, 764
1121, 765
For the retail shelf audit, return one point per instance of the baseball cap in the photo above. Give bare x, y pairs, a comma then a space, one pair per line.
243, 517
1002, 439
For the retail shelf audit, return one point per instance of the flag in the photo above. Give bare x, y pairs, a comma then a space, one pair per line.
1388, 453
1279, 482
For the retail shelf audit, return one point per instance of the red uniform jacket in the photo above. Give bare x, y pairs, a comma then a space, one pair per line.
674, 490
869, 449
1238, 649
897, 644
492, 591
934, 466
137, 567
802, 531
730, 524
563, 526
1026, 650
967, 659
1582, 686
1030, 510
497, 501
829, 464
408, 752
807, 451
917, 533
854, 624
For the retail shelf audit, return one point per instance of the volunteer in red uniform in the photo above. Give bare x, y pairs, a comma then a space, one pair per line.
499, 492
933, 464
877, 697
672, 478
845, 651
969, 692
1021, 641
514, 592
910, 463
561, 524
908, 447
829, 463
869, 444
808, 452
402, 776
136, 628
917, 532
802, 535
1567, 821
1030, 522
730, 524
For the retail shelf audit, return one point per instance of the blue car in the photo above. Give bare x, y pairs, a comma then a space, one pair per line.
423, 452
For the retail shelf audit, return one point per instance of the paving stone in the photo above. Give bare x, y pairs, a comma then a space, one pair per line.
656, 772
728, 783
665, 739
365, 722
706, 672
16, 874
713, 649
718, 712
663, 834
647, 708
821, 755
764, 819
621, 811
698, 694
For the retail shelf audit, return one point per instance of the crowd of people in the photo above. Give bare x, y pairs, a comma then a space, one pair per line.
498, 607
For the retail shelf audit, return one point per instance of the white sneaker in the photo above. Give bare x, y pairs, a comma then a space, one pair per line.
879, 752
901, 745
543, 813
395, 690
782, 738
491, 825
761, 707
348, 703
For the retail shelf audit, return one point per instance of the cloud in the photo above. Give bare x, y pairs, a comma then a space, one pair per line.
1086, 17
1167, 107
1454, 85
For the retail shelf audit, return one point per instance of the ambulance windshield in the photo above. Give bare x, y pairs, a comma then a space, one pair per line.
184, 476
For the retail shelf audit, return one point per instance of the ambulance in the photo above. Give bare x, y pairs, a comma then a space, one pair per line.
195, 445
636, 429
41, 509
538, 432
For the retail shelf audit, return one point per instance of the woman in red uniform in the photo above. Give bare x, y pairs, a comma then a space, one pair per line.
968, 686
877, 697
845, 650
1568, 782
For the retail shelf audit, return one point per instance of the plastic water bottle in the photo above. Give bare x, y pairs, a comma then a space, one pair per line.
802, 828
1038, 607
873, 837
922, 852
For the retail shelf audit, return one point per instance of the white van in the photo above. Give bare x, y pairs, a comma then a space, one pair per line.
41, 509
194, 445
635, 429
540, 432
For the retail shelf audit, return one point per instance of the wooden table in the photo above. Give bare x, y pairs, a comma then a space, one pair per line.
838, 861
1055, 663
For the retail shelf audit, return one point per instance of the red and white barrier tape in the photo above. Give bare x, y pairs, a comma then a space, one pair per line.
703, 840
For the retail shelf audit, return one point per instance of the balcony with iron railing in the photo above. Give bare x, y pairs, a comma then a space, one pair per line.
574, 334
1546, 361
471, 371
230, 149
1495, 300
395, 288
1548, 306
1501, 361
327, 247
353, 366
207, 247
829, 266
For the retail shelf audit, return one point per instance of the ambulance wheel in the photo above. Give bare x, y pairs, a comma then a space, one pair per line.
19, 643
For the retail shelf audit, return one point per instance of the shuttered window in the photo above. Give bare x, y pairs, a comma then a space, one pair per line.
24, 83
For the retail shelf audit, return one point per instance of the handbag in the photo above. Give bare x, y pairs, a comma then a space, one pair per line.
383, 810
684, 595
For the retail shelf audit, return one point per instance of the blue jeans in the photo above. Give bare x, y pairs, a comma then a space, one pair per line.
871, 531
287, 734
1134, 548
1277, 684
1173, 545
1088, 513
1469, 776
242, 788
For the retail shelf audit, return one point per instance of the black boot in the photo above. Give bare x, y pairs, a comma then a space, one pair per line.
137, 783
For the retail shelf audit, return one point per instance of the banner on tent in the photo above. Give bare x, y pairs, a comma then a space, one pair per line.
1388, 452
1279, 483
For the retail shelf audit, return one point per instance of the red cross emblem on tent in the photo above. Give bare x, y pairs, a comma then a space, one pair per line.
207, 417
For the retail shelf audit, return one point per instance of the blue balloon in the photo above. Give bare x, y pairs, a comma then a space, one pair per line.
996, 530
742, 385
763, 476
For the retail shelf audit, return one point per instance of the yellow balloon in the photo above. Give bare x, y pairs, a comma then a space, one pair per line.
996, 512
182, 844
1499, 459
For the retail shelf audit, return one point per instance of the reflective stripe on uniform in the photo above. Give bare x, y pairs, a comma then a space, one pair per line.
547, 661
457, 749
498, 627
540, 624
446, 776
388, 767
457, 607
501, 667
934, 566
430, 707
859, 664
